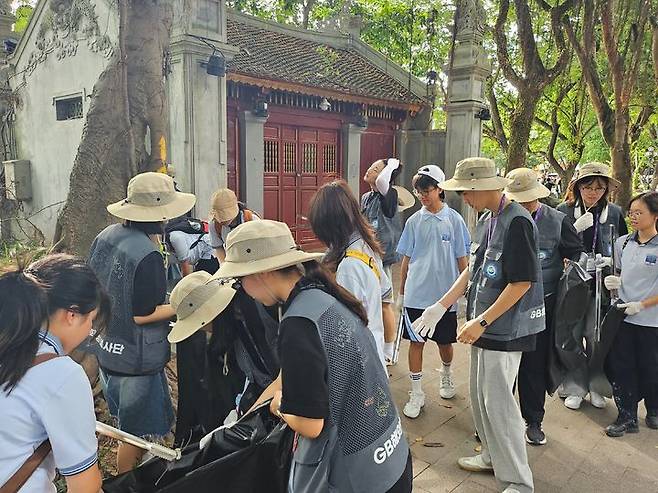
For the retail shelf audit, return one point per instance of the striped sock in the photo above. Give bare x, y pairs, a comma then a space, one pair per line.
416, 382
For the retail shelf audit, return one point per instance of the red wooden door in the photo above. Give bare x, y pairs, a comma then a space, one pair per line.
232, 151
377, 142
298, 160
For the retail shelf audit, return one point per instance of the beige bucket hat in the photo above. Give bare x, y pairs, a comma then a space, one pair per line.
261, 246
525, 186
224, 205
152, 197
475, 173
197, 299
601, 170
406, 199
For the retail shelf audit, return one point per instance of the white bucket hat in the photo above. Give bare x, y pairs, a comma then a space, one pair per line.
525, 186
600, 170
475, 173
406, 199
152, 198
197, 300
261, 246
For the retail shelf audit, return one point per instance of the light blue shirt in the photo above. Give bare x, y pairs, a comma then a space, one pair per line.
433, 243
639, 277
52, 401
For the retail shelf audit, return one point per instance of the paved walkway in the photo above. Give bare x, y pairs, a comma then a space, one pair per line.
578, 457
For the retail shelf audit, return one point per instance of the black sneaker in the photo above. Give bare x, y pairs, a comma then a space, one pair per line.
534, 435
622, 426
652, 419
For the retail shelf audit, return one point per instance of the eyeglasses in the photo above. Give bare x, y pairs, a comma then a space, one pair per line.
593, 189
423, 193
634, 213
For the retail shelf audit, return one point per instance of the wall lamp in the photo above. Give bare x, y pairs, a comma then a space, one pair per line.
216, 64
484, 114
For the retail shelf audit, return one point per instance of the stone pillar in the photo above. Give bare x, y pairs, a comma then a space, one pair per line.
352, 156
467, 74
6, 20
252, 159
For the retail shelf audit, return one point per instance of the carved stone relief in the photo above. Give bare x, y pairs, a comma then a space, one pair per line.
470, 18
65, 24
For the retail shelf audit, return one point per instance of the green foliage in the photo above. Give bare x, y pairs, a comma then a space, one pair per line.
23, 14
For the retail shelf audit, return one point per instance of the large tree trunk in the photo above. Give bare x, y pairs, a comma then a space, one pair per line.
521, 123
621, 159
127, 99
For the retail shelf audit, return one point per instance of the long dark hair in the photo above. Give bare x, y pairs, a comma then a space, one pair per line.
335, 215
650, 199
30, 296
315, 271
573, 196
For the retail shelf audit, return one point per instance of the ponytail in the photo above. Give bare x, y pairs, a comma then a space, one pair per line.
23, 311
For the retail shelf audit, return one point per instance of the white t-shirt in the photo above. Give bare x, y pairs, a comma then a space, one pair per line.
358, 278
52, 401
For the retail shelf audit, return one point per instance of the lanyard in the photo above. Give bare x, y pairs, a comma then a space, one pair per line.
596, 232
538, 213
493, 221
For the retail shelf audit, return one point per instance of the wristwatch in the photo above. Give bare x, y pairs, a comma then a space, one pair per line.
483, 323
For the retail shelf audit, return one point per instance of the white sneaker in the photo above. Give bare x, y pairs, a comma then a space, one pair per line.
573, 402
509, 489
474, 464
415, 404
597, 400
447, 389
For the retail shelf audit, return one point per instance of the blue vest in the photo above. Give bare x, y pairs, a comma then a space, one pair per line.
549, 226
126, 347
361, 447
488, 280
603, 245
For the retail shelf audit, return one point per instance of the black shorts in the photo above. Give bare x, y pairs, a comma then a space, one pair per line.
446, 329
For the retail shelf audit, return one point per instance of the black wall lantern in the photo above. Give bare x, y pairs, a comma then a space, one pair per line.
216, 64
484, 114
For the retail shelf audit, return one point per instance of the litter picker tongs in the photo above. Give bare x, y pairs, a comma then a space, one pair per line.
154, 448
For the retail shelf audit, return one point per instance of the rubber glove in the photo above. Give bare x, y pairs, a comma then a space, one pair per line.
383, 180
600, 261
612, 282
632, 308
426, 324
583, 222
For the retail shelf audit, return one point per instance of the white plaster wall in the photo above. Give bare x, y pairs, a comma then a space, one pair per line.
51, 145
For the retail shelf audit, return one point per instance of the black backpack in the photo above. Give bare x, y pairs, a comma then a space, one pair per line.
187, 225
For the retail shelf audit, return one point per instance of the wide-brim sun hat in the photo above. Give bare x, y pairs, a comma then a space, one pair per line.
152, 197
224, 205
406, 199
475, 173
197, 299
599, 170
261, 246
525, 186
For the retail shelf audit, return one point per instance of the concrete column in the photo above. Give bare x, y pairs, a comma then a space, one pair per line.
467, 74
252, 159
352, 156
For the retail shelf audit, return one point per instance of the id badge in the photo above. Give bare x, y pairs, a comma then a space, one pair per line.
591, 263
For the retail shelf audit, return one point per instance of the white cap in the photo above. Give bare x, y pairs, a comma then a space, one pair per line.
433, 171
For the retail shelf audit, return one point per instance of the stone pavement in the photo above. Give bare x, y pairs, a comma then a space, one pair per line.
578, 457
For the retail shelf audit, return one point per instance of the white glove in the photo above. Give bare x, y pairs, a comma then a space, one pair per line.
632, 308
583, 222
426, 324
600, 261
399, 303
230, 420
612, 282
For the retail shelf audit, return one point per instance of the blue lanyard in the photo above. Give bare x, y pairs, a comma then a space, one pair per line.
596, 232
493, 221
538, 213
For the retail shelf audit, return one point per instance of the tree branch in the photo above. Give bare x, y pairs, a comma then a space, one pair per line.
501, 47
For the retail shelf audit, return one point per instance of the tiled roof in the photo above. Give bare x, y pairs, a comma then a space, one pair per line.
282, 56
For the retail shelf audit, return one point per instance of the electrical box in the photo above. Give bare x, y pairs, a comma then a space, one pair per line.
18, 179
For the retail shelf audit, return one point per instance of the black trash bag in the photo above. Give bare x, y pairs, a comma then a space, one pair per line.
571, 304
252, 456
600, 377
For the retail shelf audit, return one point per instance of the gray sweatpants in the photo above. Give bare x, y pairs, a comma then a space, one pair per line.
497, 416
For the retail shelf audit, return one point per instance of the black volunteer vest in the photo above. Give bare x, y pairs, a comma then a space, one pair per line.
362, 447
603, 245
488, 280
549, 226
126, 347
388, 229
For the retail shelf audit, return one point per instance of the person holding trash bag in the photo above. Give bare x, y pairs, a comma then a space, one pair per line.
46, 403
558, 240
505, 312
333, 390
587, 205
203, 303
354, 253
632, 362
134, 351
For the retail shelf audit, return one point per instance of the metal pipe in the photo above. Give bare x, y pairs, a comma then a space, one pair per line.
155, 448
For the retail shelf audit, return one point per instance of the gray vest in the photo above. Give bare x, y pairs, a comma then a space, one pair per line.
126, 347
549, 226
388, 229
362, 447
488, 280
603, 245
